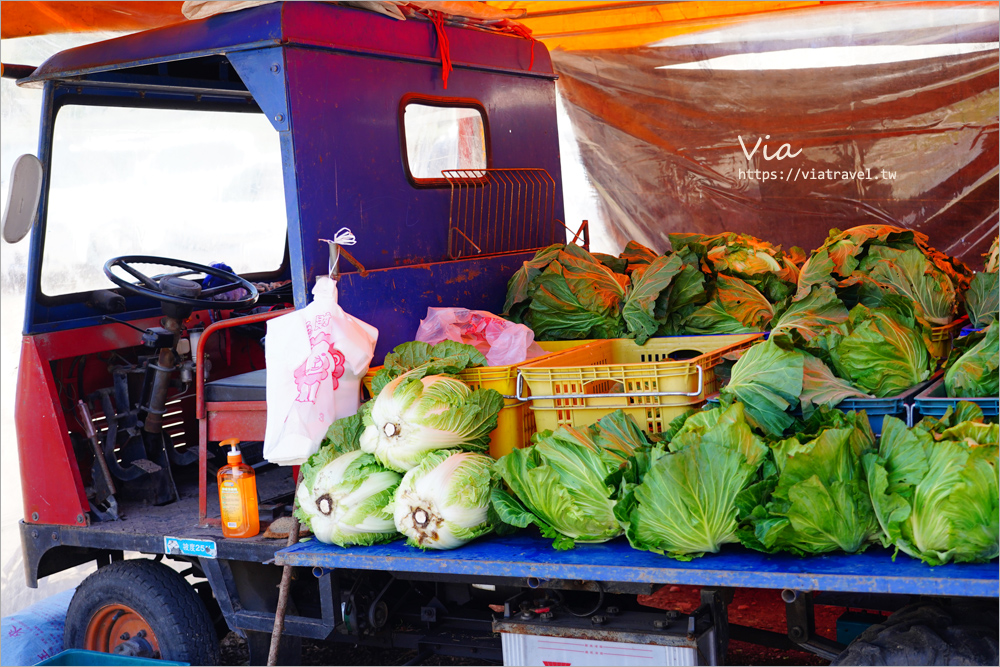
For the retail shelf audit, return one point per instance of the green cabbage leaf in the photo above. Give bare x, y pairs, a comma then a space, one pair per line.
446, 358
982, 301
561, 483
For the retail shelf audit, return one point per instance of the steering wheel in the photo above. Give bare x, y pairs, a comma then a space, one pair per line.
152, 287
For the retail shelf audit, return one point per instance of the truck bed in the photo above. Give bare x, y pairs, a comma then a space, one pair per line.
143, 527
527, 555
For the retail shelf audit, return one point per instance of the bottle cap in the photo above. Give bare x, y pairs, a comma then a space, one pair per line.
234, 456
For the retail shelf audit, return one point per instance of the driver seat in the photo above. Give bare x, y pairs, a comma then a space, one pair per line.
250, 386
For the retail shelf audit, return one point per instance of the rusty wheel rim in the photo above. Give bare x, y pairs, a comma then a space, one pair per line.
115, 624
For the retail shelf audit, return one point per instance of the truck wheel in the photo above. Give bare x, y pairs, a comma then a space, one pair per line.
141, 608
927, 634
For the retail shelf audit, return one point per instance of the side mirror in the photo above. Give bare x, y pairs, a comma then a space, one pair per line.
22, 198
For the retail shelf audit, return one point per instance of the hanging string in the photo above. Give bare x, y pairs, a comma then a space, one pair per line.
344, 236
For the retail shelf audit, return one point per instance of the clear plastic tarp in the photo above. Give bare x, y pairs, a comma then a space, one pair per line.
784, 126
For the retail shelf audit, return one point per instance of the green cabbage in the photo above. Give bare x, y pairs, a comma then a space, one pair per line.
444, 502
880, 351
573, 297
644, 307
684, 502
817, 501
982, 301
909, 273
868, 263
561, 483
736, 307
520, 284
566, 293
935, 491
764, 266
416, 414
975, 371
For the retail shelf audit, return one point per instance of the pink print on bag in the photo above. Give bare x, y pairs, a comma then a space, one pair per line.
317, 367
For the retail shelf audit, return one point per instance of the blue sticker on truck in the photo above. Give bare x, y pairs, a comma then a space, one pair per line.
184, 546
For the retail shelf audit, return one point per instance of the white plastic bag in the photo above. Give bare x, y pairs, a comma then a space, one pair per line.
502, 342
316, 358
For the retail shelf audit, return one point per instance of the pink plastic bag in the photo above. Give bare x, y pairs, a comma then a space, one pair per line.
502, 342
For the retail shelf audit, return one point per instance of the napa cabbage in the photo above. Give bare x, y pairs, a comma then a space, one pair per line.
415, 414
444, 502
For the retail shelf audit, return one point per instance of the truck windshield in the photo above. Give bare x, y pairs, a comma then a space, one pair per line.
194, 185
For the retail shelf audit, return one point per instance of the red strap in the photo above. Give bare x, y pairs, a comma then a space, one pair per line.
437, 18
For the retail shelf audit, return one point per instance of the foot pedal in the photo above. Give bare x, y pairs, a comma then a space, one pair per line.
146, 466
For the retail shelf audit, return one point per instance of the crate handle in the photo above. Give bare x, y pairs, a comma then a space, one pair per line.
701, 385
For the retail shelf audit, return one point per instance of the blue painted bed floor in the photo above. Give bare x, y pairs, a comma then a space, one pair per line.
526, 555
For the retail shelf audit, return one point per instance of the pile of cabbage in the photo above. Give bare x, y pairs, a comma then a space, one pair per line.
713, 479
861, 324
726, 283
412, 462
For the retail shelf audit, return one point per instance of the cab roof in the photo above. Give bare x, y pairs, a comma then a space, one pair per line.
299, 24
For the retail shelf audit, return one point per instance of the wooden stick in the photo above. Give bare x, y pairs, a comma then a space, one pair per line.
283, 589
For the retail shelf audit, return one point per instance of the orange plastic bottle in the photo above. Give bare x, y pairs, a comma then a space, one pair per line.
238, 495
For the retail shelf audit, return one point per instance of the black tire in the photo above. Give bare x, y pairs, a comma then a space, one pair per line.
172, 608
928, 634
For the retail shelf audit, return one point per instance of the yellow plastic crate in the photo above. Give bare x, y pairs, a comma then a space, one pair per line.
653, 383
942, 337
515, 423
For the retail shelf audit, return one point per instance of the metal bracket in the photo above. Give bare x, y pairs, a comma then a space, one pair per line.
224, 587
717, 600
802, 625
263, 72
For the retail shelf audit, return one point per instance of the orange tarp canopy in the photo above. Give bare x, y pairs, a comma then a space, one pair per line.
24, 19
570, 25
616, 25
